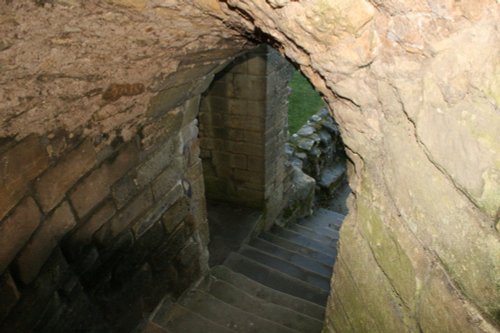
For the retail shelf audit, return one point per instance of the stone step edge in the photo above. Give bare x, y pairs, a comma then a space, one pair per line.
294, 252
226, 271
281, 259
274, 271
300, 245
210, 279
326, 247
319, 234
317, 238
232, 307
193, 313
325, 211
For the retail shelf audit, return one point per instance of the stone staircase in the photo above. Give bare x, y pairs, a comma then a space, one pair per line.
277, 282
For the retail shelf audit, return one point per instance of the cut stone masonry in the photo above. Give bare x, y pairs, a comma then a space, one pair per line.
85, 185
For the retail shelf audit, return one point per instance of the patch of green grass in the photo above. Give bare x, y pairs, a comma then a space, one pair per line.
303, 102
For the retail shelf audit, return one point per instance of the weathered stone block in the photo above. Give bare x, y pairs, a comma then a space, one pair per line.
124, 218
245, 123
19, 166
168, 99
82, 236
165, 182
16, 230
175, 214
158, 209
56, 181
191, 110
256, 137
257, 64
96, 186
192, 152
248, 87
215, 105
46, 238
156, 163
233, 160
9, 295
248, 149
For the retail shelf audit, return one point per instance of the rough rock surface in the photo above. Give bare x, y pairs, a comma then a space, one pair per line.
75, 65
414, 87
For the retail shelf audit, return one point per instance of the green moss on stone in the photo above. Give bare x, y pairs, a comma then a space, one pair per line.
389, 255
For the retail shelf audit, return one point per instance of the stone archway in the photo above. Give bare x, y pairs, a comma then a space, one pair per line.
420, 133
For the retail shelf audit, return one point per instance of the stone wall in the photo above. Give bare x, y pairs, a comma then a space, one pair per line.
93, 236
315, 166
317, 149
94, 233
414, 86
243, 130
95, 229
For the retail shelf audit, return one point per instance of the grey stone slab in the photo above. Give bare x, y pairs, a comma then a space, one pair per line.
328, 233
179, 319
293, 257
275, 279
229, 316
261, 291
332, 176
286, 267
319, 256
325, 218
302, 240
285, 316
329, 239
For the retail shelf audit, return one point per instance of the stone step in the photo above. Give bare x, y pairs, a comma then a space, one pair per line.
227, 315
332, 176
268, 294
151, 327
286, 267
236, 297
312, 234
275, 279
303, 240
325, 218
293, 257
327, 259
179, 319
318, 230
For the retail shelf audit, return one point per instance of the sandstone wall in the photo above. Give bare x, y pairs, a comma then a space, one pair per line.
413, 85
414, 88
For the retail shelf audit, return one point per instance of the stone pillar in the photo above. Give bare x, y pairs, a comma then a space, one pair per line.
243, 129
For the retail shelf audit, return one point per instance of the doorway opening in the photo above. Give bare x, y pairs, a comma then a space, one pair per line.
259, 169
271, 249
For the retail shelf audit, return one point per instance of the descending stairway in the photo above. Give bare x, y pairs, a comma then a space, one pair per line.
278, 282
